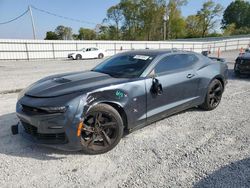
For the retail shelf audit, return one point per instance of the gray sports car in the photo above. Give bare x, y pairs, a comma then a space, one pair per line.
91, 110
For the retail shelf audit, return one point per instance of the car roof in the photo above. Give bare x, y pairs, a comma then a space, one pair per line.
149, 52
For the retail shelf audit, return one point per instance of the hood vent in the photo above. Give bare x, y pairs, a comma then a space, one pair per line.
61, 80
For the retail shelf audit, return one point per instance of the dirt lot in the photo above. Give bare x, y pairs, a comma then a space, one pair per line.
193, 148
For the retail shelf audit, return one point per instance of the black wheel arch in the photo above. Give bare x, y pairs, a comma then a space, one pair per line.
221, 79
118, 108
121, 111
79, 55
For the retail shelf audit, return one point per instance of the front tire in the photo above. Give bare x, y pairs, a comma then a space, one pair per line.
102, 129
213, 96
78, 57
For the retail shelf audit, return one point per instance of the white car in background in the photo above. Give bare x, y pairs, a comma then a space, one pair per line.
87, 53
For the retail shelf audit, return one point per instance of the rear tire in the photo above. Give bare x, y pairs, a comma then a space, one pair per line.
100, 56
78, 57
213, 96
102, 129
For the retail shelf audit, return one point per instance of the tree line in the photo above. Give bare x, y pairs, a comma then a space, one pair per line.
161, 20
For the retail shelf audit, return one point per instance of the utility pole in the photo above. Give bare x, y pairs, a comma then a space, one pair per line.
33, 24
165, 27
166, 23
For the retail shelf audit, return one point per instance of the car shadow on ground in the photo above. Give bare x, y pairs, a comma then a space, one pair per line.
236, 174
16, 145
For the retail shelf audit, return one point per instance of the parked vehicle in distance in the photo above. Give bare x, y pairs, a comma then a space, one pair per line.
242, 64
87, 53
90, 110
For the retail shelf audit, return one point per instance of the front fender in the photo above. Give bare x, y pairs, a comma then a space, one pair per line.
74, 56
130, 97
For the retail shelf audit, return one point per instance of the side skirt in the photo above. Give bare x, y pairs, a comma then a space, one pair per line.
165, 115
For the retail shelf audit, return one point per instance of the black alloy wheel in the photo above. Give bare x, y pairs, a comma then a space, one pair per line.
102, 129
213, 96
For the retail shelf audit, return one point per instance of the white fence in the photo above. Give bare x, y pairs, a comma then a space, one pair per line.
51, 49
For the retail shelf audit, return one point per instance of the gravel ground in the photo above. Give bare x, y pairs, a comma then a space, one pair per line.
191, 149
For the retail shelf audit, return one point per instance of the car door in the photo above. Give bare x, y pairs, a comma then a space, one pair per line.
93, 53
87, 54
177, 81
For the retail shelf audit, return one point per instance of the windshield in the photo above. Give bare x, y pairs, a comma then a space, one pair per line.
125, 66
83, 49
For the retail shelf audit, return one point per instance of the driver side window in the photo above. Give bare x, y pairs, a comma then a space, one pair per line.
173, 63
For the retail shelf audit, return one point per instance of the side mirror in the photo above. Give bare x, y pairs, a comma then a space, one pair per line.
156, 87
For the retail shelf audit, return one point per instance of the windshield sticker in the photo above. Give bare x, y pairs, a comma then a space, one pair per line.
141, 57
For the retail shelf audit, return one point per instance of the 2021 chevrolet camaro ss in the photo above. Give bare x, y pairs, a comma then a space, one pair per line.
91, 110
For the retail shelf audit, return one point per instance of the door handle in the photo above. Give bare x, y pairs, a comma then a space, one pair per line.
190, 75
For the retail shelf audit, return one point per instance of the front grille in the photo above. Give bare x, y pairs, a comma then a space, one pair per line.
32, 130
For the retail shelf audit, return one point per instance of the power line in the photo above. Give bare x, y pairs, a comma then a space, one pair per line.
64, 17
14, 18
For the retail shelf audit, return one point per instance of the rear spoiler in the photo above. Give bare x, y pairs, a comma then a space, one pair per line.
218, 59
206, 53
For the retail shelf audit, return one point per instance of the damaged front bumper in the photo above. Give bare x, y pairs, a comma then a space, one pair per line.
56, 130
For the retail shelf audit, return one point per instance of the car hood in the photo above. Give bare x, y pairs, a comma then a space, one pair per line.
245, 56
63, 84
73, 52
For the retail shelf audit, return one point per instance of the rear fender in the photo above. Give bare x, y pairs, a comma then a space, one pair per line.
209, 73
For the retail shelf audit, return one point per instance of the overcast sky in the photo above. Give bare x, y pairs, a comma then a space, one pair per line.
87, 10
